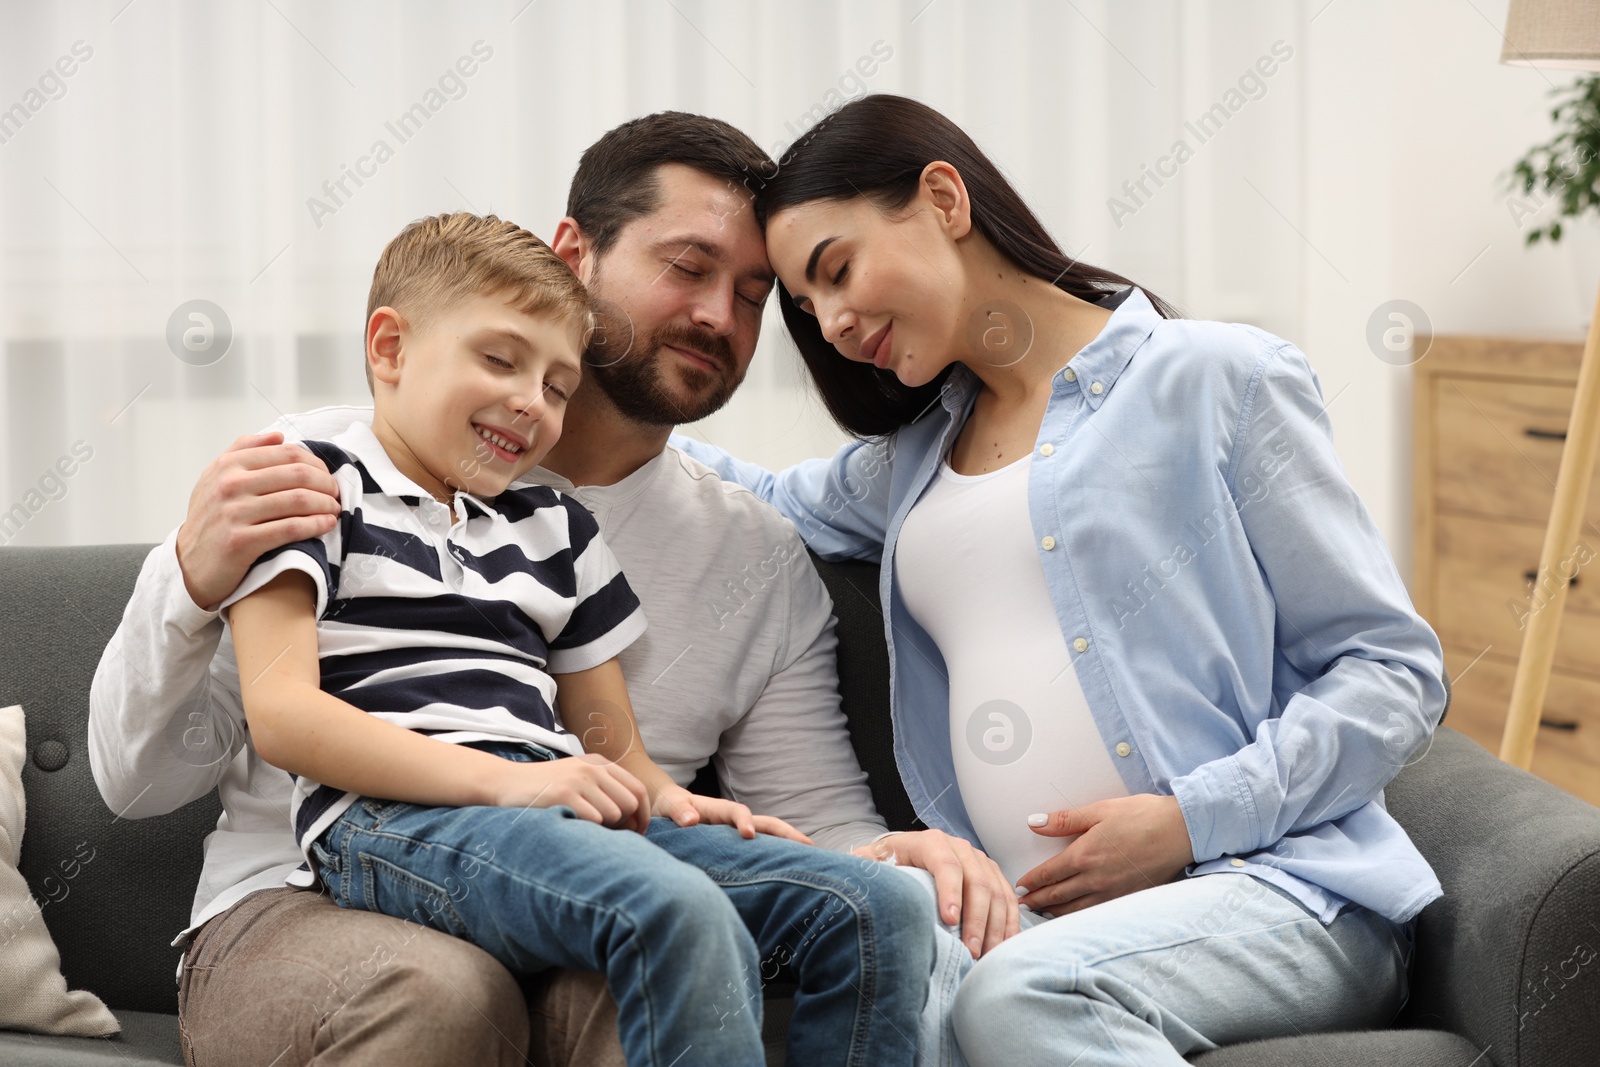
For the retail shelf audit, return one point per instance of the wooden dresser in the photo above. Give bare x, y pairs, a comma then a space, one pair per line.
1490, 420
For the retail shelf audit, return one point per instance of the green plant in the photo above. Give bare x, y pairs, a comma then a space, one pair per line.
1568, 165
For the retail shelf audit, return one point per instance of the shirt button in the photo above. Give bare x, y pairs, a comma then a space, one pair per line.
1237, 862
1047, 449
1097, 388
1123, 748
1047, 542
1080, 645
1070, 375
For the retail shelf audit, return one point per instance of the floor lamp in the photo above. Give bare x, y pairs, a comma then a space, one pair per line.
1561, 35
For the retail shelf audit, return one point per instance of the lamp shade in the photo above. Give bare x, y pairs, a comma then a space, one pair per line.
1560, 34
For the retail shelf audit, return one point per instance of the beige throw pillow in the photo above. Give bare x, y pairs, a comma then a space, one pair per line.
33, 994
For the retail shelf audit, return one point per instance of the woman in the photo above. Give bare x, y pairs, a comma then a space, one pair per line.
1148, 648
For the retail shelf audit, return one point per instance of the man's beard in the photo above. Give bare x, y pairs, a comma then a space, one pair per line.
628, 369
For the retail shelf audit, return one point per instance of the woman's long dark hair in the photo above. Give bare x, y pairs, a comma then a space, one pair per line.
877, 147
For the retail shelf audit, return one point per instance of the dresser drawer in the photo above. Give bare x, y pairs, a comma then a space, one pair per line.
1483, 592
1498, 447
1490, 426
1567, 751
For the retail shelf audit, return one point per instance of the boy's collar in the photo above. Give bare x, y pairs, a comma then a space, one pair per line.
359, 440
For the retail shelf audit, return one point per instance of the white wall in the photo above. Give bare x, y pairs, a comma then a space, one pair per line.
179, 162
1411, 124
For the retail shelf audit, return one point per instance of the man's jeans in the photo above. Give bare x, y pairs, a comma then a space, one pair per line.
679, 921
1148, 978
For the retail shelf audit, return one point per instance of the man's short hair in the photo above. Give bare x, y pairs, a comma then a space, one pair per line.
616, 181
445, 258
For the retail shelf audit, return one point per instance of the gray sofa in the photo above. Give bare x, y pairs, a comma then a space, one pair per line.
1505, 972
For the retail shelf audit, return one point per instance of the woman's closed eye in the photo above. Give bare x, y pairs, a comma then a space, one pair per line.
836, 279
496, 361
804, 303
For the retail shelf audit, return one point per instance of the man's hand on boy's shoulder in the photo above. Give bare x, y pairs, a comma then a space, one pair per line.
260, 494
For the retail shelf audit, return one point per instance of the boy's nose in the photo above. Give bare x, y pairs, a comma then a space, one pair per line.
528, 408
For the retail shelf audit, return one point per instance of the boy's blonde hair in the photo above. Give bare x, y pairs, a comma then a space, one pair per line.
444, 258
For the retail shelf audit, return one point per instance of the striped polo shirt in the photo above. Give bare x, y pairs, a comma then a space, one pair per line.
449, 619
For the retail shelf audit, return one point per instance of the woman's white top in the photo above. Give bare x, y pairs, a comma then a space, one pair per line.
1021, 733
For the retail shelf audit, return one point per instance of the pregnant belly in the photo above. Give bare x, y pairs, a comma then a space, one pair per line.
1026, 753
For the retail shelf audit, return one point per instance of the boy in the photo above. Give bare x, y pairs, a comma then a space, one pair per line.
446, 606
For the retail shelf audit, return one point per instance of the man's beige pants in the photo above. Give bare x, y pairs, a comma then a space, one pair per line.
287, 978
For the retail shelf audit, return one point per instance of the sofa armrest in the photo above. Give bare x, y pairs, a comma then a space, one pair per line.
1510, 956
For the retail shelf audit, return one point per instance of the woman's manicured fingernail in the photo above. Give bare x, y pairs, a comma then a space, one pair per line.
1024, 907
974, 946
1020, 890
1038, 820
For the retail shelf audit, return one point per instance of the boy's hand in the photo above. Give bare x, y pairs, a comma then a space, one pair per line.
594, 788
688, 809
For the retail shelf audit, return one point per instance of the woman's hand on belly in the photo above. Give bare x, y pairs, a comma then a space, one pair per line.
970, 886
1119, 846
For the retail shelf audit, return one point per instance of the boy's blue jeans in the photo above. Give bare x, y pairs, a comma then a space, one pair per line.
682, 921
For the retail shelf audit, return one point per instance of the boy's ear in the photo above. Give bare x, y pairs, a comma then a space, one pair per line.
386, 331
574, 247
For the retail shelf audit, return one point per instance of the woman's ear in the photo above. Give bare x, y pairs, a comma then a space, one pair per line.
945, 193
386, 330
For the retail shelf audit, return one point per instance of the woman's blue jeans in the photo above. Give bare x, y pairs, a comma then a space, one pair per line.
1149, 978
682, 921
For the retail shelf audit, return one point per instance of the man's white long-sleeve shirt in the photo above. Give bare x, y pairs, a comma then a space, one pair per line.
737, 666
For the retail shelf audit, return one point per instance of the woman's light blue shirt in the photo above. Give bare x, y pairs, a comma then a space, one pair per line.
1237, 623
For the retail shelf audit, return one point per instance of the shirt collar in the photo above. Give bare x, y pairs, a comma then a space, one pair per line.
359, 440
1101, 361
617, 492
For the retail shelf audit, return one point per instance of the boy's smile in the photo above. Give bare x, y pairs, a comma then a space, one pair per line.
504, 444
473, 397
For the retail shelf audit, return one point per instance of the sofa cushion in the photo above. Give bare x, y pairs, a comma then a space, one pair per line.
864, 684
63, 605
147, 1040
33, 994
1391, 1048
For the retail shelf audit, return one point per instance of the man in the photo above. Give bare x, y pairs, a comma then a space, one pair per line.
737, 665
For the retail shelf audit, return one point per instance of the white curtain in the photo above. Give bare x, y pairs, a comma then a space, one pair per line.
258, 154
